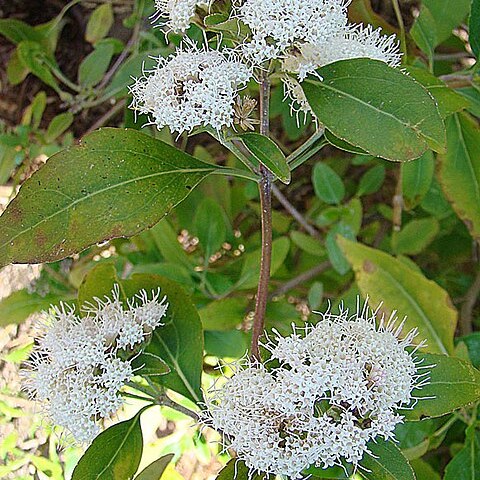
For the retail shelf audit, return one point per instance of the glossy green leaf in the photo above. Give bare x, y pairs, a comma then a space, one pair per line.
372, 180
424, 32
94, 65
99, 23
416, 179
465, 465
224, 314
150, 365
327, 184
474, 28
386, 279
58, 125
268, 154
96, 191
18, 306
179, 343
453, 384
210, 226
155, 470
386, 463
459, 172
377, 108
415, 236
449, 101
114, 455
447, 14
472, 342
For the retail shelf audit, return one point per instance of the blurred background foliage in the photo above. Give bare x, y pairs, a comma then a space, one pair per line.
65, 71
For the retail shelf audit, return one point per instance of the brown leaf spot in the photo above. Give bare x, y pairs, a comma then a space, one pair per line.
369, 267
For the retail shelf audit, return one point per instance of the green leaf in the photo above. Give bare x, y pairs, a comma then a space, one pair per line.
459, 172
251, 265
19, 305
472, 342
36, 59
99, 23
474, 28
424, 32
98, 190
377, 108
386, 463
16, 70
415, 236
179, 343
465, 465
453, 384
449, 101
335, 254
327, 184
315, 295
98, 283
94, 65
224, 314
371, 181
34, 112
210, 226
115, 454
447, 15
237, 470
416, 179
386, 279
17, 31
229, 343
150, 365
307, 243
58, 125
156, 469
342, 144
424, 471
268, 154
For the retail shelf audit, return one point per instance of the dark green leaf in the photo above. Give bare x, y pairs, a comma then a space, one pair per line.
424, 471
388, 280
99, 23
225, 314
229, 343
268, 154
335, 254
114, 455
416, 179
327, 184
342, 144
210, 226
377, 108
424, 32
465, 465
156, 469
459, 172
179, 343
472, 342
98, 190
472, 94
474, 30
386, 463
237, 470
94, 65
371, 181
453, 384
150, 365
98, 283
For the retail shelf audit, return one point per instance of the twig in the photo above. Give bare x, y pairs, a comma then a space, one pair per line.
106, 116
466, 312
294, 212
265, 187
165, 401
302, 278
398, 14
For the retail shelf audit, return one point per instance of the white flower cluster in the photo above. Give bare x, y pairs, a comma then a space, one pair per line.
191, 88
178, 12
335, 388
75, 369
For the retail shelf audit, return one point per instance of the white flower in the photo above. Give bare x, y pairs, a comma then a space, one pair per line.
191, 88
330, 392
74, 370
179, 12
278, 25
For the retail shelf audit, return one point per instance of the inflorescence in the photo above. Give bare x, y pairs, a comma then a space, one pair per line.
321, 397
78, 365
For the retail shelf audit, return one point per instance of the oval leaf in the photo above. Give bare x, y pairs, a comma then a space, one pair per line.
327, 184
99, 23
377, 108
155, 470
96, 191
416, 179
385, 279
465, 465
268, 154
115, 454
459, 171
453, 384
386, 463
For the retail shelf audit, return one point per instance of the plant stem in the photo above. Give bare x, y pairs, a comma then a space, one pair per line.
398, 14
265, 187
